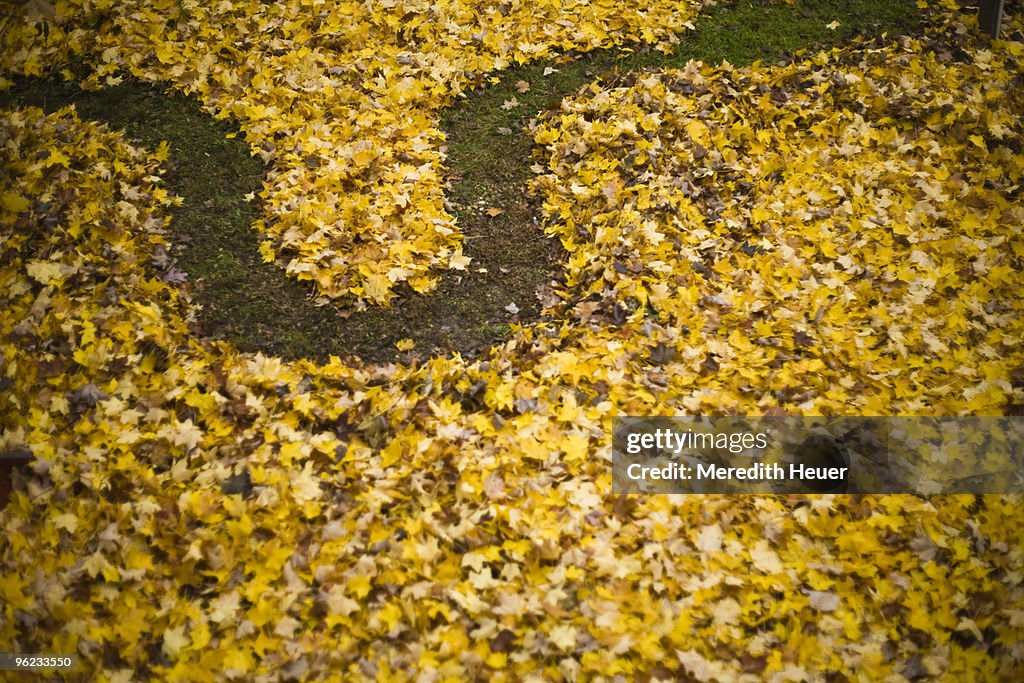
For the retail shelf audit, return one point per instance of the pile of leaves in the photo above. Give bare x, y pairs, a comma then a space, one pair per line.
836, 236
843, 233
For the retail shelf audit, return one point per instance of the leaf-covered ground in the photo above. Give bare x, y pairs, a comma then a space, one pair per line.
257, 307
841, 235
343, 99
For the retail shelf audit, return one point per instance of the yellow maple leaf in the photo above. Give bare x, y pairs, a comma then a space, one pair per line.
175, 641
458, 261
44, 272
13, 202
563, 637
377, 287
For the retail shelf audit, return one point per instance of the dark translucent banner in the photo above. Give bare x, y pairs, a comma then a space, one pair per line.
766, 455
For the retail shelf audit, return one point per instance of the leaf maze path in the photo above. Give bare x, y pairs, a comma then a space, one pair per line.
254, 304
257, 307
